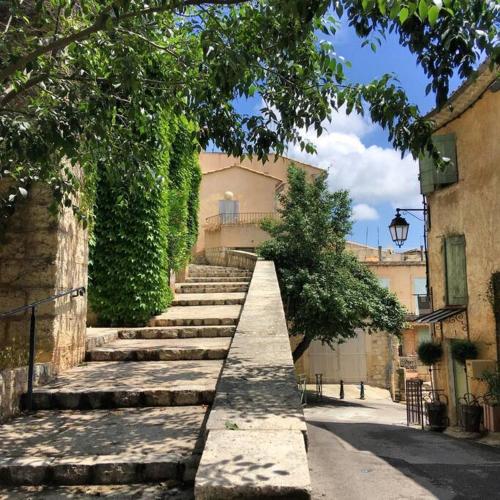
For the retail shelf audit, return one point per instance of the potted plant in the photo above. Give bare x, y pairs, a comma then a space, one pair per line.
470, 410
492, 401
429, 353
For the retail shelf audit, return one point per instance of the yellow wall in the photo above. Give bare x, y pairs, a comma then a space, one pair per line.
470, 207
254, 191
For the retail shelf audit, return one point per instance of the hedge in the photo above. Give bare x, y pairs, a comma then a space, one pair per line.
144, 227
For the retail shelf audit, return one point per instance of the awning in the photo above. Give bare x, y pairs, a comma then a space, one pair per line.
440, 315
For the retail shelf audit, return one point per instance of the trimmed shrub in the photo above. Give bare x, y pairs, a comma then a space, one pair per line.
429, 353
462, 350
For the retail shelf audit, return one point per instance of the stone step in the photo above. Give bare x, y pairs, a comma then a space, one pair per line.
209, 299
198, 315
97, 337
102, 446
218, 279
211, 287
201, 270
117, 384
177, 332
167, 490
161, 350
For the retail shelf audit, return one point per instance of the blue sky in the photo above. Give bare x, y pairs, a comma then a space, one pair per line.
357, 153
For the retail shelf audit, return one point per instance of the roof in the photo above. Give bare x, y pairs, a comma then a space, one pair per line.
273, 155
440, 315
465, 96
243, 168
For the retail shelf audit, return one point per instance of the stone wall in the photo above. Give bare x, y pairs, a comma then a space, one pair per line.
230, 258
381, 360
14, 383
41, 255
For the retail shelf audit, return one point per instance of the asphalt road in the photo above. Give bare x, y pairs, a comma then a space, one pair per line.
364, 450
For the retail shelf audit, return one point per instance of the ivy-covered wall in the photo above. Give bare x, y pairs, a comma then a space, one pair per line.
145, 226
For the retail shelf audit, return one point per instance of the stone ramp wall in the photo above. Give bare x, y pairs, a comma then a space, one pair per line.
230, 258
256, 432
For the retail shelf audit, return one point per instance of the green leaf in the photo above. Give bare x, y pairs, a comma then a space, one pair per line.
403, 15
433, 14
422, 9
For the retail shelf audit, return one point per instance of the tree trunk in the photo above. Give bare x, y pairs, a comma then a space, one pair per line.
301, 348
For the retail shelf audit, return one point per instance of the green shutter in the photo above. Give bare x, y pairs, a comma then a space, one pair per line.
446, 145
427, 169
456, 272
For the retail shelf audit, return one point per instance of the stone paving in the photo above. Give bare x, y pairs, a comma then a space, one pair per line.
135, 412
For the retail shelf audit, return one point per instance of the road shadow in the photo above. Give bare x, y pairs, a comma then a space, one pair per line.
446, 467
329, 401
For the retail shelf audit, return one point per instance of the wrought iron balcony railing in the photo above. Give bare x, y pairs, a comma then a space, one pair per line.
216, 221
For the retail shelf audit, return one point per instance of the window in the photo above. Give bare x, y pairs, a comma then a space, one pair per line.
384, 282
455, 270
419, 289
430, 177
228, 211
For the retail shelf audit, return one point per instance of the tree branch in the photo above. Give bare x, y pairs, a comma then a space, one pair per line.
301, 348
98, 25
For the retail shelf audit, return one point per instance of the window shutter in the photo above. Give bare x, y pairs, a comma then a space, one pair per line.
427, 169
446, 144
456, 271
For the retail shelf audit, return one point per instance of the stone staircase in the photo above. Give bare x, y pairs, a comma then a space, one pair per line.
135, 411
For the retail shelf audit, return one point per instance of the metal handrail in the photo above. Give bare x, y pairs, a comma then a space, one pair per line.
239, 218
73, 292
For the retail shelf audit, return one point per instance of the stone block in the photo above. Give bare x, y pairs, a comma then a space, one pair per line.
253, 464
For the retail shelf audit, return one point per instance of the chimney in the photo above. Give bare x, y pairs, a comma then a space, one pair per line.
422, 254
380, 253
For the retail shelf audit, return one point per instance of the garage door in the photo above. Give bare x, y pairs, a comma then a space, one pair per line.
346, 362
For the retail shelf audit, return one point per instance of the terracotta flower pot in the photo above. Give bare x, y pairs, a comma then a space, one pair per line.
492, 418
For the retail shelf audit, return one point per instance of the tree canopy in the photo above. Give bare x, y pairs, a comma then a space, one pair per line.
327, 292
75, 74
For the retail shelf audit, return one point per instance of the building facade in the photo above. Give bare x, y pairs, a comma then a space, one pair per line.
464, 232
236, 195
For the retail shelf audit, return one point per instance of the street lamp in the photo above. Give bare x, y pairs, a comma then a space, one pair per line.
399, 233
399, 229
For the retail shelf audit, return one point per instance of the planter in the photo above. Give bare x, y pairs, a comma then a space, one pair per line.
437, 416
471, 417
492, 418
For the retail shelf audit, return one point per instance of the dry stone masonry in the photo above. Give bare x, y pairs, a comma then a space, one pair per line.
134, 412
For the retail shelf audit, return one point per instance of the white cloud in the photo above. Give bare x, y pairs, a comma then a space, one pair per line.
362, 211
372, 174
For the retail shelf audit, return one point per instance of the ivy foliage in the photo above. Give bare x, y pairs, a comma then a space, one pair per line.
328, 293
72, 73
143, 223
185, 178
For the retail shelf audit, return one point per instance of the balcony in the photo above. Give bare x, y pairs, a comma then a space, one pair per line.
215, 222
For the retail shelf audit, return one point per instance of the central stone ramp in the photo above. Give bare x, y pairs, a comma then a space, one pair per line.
161, 350
118, 385
101, 447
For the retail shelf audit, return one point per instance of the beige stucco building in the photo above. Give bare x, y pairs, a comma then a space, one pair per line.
464, 231
235, 195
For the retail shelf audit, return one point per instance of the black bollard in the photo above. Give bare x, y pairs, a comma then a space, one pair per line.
341, 396
361, 390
